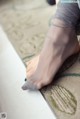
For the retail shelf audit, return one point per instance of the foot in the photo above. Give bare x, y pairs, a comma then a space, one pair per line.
59, 45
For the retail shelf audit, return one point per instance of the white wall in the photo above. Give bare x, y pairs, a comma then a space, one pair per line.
17, 103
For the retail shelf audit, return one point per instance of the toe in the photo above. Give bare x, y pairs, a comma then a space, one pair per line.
29, 85
41, 83
31, 67
28, 63
39, 86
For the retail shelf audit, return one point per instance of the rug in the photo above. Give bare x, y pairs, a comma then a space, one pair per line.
63, 95
26, 23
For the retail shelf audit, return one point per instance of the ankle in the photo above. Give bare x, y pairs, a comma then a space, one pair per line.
63, 35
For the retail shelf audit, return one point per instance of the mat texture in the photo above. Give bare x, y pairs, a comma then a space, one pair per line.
26, 23
63, 95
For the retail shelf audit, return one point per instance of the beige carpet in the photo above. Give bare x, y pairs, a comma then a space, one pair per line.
26, 23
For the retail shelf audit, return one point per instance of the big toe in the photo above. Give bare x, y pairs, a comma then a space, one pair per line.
29, 85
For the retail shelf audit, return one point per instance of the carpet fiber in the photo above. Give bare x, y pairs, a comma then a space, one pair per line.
26, 23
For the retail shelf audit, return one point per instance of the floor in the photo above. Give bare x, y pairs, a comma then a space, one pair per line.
23, 21
26, 23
